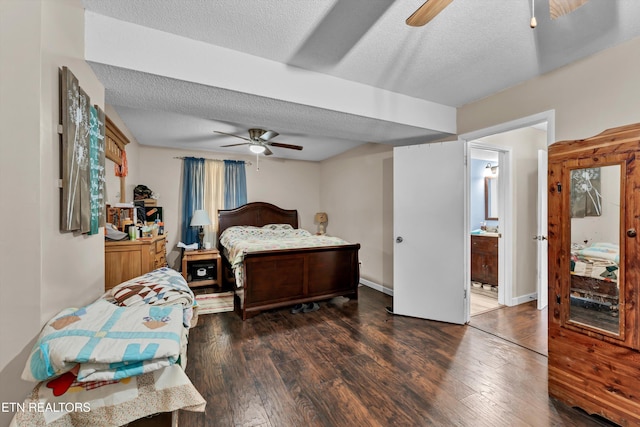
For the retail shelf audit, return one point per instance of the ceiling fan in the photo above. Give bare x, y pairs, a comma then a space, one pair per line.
260, 141
431, 8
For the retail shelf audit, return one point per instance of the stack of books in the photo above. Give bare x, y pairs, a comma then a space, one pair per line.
215, 302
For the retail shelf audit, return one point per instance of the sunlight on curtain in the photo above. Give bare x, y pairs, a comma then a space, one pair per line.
235, 184
213, 196
192, 196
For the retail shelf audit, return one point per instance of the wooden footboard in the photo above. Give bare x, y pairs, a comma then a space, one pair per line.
287, 277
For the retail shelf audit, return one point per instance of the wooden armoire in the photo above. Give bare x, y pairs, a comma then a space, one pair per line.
594, 274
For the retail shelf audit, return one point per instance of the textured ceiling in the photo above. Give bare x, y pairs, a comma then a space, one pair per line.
471, 50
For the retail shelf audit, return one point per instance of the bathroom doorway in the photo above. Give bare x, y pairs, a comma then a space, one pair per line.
484, 225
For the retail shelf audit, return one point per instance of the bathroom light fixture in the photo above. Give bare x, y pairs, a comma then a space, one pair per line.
490, 170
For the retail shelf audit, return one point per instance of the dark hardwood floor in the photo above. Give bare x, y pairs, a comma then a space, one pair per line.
352, 364
522, 324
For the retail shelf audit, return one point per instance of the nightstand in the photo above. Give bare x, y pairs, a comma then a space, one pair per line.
202, 267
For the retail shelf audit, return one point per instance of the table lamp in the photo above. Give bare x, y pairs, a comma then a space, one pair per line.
321, 218
200, 218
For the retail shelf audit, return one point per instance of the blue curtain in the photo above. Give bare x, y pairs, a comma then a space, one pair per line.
192, 196
235, 184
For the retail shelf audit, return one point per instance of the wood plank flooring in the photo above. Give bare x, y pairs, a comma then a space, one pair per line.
352, 364
522, 324
481, 303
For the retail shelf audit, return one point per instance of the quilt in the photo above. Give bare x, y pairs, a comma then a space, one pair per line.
240, 240
599, 261
163, 286
108, 342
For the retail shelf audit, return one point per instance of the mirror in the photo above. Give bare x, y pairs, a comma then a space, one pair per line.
595, 248
491, 197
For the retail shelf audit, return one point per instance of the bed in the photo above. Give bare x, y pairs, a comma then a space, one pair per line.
594, 275
285, 277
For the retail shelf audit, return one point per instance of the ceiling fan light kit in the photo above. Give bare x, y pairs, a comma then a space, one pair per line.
256, 148
259, 141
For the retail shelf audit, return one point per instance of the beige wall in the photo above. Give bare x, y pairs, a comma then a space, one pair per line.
597, 93
589, 96
357, 194
524, 144
290, 184
43, 270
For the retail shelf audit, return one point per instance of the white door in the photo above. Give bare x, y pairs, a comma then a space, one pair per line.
428, 222
541, 237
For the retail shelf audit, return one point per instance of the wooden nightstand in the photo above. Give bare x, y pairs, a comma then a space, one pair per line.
202, 259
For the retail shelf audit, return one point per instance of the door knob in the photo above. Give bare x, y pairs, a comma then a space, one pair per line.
399, 239
632, 232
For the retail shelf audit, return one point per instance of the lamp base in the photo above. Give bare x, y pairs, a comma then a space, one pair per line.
201, 237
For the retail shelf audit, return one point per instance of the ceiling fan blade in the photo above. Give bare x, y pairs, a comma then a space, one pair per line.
235, 145
230, 134
268, 135
292, 147
425, 13
557, 8
267, 152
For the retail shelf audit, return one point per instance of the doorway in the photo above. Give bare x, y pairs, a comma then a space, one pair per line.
517, 144
484, 223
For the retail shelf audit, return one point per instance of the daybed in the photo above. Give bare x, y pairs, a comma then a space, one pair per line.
266, 279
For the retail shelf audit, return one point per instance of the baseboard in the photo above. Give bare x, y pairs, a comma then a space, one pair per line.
524, 298
377, 287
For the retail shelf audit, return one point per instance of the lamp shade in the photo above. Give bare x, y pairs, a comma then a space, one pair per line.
200, 218
321, 217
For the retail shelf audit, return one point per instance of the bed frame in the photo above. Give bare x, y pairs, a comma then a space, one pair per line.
286, 277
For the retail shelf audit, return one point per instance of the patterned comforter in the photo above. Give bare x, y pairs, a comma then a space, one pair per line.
240, 240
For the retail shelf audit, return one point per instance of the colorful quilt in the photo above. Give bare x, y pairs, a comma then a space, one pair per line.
107, 341
240, 240
109, 403
163, 286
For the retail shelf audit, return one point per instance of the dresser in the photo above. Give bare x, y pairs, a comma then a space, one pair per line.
124, 260
594, 274
484, 259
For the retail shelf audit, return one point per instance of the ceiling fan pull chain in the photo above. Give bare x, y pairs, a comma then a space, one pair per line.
533, 22
257, 162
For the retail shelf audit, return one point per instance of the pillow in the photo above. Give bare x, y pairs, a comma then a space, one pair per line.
278, 227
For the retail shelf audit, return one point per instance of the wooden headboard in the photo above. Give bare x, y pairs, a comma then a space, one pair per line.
257, 214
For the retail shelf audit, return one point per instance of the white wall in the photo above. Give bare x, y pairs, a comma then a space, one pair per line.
43, 270
289, 184
357, 194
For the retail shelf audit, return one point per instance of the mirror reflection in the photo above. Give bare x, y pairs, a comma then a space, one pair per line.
595, 247
491, 197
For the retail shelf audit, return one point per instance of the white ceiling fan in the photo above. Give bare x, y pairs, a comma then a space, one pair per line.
431, 8
260, 141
